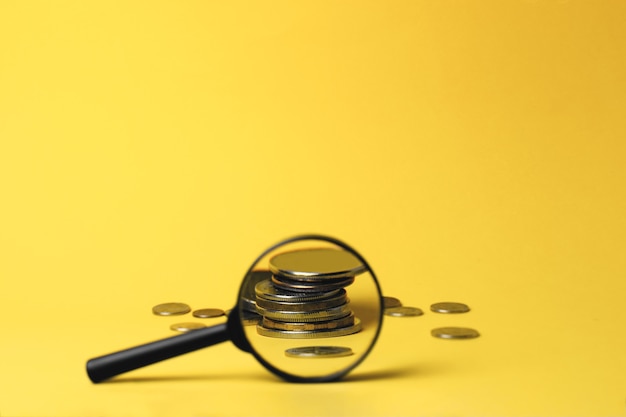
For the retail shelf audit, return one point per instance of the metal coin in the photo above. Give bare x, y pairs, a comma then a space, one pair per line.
455, 333
248, 296
449, 308
267, 290
403, 311
171, 309
389, 302
318, 352
320, 325
186, 327
205, 313
306, 316
303, 306
316, 264
289, 334
300, 286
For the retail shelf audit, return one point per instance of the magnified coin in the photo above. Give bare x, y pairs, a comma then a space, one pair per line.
403, 311
455, 333
320, 325
268, 291
389, 302
449, 308
205, 313
312, 334
316, 264
319, 352
171, 309
186, 327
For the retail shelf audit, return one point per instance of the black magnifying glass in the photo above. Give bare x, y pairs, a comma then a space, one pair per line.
309, 309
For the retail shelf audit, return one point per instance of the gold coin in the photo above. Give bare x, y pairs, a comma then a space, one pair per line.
171, 309
186, 327
268, 291
322, 325
290, 334
306, 316
316, 264
205, 313
301, 286
455, 333
449, 308
389, 302
403, 311
303, 306
318, 352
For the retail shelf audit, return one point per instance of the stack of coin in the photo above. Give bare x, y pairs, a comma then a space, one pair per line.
306, 297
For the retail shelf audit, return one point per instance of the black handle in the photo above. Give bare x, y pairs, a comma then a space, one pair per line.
108, 366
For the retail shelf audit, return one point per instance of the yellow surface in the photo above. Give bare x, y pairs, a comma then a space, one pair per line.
471, 151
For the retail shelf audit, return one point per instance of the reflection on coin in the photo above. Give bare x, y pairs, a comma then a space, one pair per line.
449, 308
313, 334
454, 333
389, 302
316, 264
205, 313
186, 327
171, 309
403, 311
318, 352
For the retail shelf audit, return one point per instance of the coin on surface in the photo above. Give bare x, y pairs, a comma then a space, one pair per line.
455, 333
186, 327
318, 352
389, 302
171, 309
316, 264
205, 313
449, 308
403, 311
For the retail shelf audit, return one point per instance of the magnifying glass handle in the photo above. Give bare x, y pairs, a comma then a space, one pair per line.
108, 366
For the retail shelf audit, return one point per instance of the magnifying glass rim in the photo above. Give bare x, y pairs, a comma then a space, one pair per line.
336, 375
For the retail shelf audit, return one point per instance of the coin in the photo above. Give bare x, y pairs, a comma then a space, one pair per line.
267, 290
248, 296
318, 352
171, 309
403, 311
306, 316
454, 333
186, 327
389, 302
303, 286
205, 313
316, 264
320, 325
313, 334
303, 306
449, 308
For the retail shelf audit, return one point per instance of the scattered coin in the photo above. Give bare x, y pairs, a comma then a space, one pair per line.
205, 313
171, 309
186, 327
449, 308
389, 302
455, 333
403, 311
319, 352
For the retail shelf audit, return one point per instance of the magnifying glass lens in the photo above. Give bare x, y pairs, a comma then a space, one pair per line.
312, 309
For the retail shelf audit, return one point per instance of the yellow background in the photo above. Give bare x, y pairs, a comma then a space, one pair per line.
471, 151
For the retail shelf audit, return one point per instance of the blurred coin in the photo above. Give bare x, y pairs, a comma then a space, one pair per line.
171, 309
267, 290
205, 313
306, 316
318, 352
316, 264
403, 311
186, 327
248, 296
389, 302
454, 333
289, 334
320, 325
449, 308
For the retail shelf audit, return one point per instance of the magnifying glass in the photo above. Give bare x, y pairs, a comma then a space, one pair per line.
309, 309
